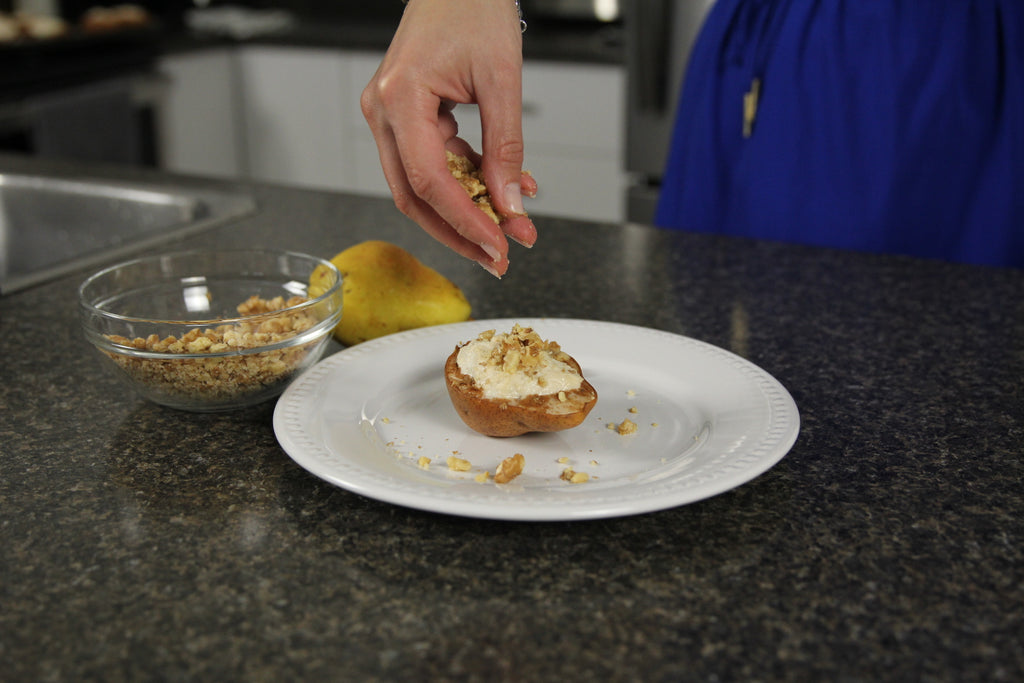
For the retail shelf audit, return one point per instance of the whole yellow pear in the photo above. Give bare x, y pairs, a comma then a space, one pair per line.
385, 289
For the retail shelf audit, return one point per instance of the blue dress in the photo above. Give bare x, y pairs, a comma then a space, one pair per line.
890, 126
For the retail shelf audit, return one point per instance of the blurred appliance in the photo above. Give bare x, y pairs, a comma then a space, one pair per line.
574, 10
659, 37
86, 96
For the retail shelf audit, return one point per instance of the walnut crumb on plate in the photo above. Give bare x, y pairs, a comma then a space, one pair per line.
626, 427
573, 477
509, 469
458, 464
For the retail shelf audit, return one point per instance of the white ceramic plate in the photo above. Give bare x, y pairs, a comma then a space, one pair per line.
707, 420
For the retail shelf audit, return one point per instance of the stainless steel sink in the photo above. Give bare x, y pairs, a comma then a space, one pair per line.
51, 226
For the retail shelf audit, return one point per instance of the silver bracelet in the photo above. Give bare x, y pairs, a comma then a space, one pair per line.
519, 11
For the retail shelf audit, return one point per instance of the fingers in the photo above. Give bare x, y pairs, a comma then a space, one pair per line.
446, 123
411, 147
517, 227
467, 231
426, 170
441, 55
522, 229
500, 101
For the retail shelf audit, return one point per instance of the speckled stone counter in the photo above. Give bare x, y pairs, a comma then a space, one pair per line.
139, 543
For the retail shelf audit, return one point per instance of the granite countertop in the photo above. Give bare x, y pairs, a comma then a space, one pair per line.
144, 543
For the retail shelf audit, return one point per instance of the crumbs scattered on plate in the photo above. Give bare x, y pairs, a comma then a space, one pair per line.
456, 464
574, 477
627, 426
507, 470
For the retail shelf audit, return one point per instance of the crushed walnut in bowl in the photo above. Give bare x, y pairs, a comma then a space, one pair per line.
210, 330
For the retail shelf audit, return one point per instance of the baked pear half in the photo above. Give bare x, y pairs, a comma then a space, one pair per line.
507, 384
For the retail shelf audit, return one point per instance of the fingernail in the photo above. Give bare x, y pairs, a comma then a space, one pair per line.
491, 251
514, 198
531, 189
521, 242
489, 268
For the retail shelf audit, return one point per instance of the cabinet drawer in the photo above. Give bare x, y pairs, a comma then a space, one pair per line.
578, 188
577, 105
565, 105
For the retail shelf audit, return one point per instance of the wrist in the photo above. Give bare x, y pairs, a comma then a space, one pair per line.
519, 11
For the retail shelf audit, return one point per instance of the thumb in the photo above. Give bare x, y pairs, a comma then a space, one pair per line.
502, 150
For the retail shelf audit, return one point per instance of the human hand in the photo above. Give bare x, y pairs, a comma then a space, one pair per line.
447, 52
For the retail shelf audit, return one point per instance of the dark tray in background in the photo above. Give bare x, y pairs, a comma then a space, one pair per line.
29, 66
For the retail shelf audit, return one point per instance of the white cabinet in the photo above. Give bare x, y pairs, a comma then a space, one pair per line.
369, 178
293, 111
299, 121
574, 132
198, 122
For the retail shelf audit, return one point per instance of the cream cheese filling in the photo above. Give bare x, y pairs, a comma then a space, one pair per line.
550, 376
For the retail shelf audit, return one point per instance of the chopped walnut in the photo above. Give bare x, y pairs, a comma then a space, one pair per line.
458, 464
573, 477
522, 350
509, 469
626, 427
472, 181
222, 377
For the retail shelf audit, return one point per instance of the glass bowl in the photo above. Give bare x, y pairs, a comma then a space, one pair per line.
211, 330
